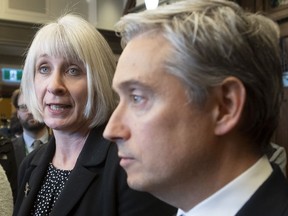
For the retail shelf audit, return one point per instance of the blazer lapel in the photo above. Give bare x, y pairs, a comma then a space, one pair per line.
32, 183
22, 147
93, 153
73, 189
19, 149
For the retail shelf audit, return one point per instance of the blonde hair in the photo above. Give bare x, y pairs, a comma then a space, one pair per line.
72, 37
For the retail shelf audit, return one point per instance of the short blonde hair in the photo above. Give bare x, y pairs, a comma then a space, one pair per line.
72, 37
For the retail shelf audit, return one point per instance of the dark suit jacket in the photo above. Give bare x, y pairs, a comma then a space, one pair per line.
271, 199
96, 186
7, 160
19, 149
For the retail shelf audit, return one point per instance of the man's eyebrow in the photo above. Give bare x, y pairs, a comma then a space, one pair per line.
131, 83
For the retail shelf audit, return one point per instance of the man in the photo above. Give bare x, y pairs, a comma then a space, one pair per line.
199, 85
34, 133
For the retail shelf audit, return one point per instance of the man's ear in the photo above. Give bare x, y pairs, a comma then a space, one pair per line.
231, 96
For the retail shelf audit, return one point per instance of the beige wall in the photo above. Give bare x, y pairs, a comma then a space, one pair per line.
108, 13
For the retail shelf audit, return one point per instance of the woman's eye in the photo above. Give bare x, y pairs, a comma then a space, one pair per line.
43, 69
74, 71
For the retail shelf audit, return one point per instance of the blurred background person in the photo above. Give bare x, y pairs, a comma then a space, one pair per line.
8, 163
66, 83
16, 128
4, 126
6, 200
34, 133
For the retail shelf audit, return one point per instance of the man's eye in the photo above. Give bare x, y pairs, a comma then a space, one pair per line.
136, 98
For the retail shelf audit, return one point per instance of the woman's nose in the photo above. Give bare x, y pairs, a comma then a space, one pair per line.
56, 84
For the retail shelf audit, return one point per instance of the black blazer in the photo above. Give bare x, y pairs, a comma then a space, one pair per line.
271, 199
96, 186
19, 149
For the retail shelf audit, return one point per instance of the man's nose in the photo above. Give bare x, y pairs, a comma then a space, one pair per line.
117, 128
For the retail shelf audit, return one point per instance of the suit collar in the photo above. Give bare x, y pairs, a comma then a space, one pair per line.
270, 199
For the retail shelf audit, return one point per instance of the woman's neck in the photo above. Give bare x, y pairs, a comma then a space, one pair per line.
68, 148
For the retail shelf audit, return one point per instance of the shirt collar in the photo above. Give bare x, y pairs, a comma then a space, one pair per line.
235, 194
29, 140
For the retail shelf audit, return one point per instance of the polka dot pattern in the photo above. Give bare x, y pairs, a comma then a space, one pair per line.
51, 188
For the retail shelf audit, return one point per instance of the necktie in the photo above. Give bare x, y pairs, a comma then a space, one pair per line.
37, 144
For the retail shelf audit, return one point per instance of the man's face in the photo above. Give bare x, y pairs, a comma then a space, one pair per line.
163, 140
26, 118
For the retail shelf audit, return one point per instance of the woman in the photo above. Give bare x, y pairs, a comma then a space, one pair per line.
66, 82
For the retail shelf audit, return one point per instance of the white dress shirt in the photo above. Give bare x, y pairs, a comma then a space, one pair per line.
229, 200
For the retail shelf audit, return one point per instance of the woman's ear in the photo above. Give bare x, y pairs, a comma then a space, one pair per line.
231, 96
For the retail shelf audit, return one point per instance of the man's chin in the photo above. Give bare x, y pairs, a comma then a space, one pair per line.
136, 185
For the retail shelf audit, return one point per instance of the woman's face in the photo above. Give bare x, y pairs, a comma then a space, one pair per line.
61, 89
